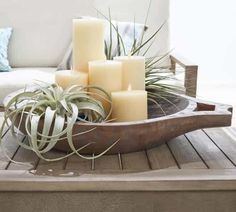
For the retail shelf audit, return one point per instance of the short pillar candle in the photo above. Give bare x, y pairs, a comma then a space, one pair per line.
68, 78
129, 106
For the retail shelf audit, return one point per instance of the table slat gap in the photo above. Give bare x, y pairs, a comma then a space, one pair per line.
12, 157
161, 158
11, 146
197, 152
173, 155
93, 163
211, 154
27, 158
185, 154
223, 144
36, 163
66, 161
6, 129
120, 161
219, 148
148, 160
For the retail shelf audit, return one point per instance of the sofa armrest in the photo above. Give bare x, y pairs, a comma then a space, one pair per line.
191, 71
2, 109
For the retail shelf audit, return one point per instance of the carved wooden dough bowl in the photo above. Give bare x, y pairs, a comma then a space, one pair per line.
185, 115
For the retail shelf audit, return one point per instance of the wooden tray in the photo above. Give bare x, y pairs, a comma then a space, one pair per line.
179, 115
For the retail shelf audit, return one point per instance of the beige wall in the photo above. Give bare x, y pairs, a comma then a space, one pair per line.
42, 29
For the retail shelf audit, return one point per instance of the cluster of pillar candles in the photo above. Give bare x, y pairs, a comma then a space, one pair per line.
123, 78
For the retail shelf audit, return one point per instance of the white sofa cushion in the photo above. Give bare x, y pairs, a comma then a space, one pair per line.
42, 28
20, 77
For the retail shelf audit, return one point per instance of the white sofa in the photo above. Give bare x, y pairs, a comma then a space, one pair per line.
42, 33
20, 77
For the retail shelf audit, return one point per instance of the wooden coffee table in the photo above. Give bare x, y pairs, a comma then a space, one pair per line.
194, 172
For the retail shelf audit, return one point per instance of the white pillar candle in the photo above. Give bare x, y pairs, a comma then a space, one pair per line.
129, 105
133, 72
68, 78
88, 42
106, 74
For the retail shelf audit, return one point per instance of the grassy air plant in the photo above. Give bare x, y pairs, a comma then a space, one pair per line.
159, 78
56, 110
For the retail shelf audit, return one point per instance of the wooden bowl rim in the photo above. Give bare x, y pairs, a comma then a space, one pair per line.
188, 111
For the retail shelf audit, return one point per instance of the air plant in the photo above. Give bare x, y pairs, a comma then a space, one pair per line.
58, 110
158, 77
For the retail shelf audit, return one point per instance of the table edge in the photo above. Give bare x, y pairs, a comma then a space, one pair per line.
158, 180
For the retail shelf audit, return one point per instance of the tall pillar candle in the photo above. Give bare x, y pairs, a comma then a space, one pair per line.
88, 42
129, 105
133, 72
106, 74
68, 78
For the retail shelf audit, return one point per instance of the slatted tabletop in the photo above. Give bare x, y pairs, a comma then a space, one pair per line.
203, 159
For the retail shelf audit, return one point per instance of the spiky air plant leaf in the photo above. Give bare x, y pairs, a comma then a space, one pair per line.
160, 81
57, 111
